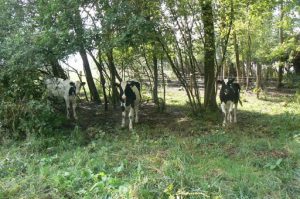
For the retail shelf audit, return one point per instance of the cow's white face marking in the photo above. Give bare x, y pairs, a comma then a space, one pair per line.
123, 86
226, 86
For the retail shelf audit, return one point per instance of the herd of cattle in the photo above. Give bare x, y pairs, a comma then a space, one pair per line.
130, 97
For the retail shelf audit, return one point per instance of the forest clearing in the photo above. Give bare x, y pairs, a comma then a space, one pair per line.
158, 99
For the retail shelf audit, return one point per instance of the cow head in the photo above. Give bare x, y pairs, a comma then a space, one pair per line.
127, 95
75, 87
226, 85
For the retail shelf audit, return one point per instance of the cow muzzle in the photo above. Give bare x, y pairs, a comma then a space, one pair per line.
122, 106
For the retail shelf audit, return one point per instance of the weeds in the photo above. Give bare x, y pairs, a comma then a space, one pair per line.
186, 156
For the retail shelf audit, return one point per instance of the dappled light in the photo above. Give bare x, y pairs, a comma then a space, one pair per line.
160, 99
297, 138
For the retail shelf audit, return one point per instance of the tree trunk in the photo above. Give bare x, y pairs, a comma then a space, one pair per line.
89, 77
248, 74
178, 74
258, 80
237, 58
78, 26
248, 62
209, 54
84, 91
280, 74
281, 64
296, 62
57, 70
155, 76
100, 66
113, 71
163, 80
103, 82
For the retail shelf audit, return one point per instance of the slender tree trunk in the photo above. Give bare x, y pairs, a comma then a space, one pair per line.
178, 74
78, 26
89, 78
248, 61
248, 74
163, 80
100, 66
209, 55
225, 70
237, 58
243, 69
155, 76
280, 74
281, 64
113, 71
258, 80
103, 82
84, 91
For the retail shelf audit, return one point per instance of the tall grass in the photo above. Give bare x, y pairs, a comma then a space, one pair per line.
179, 155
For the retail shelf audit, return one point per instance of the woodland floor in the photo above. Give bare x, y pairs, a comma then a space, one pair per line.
93, 115
168, 154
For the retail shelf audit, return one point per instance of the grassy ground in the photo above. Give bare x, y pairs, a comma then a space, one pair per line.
168, 155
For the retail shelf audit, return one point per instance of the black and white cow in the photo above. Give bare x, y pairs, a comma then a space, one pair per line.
66, 89
130, 97
229, 96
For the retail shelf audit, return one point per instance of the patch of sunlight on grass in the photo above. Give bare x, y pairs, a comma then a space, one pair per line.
267, 107
176, 97
297, 138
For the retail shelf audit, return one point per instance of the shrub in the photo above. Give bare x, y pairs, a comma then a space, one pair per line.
297, 95
23, 119
23, 110
291, 80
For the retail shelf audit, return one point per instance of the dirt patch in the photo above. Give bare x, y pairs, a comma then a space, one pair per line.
274, 153
92, 115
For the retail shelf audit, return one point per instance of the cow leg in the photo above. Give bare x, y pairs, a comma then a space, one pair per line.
67, 107
231, 112
131, 115
230, 116
223, 107
74, 105
123, 118
136, 108
234, 112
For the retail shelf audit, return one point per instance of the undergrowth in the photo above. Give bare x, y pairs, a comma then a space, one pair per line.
184, 156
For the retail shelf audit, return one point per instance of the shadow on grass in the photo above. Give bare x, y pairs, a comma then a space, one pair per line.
177, 120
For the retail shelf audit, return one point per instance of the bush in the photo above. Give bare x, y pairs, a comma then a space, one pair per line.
23, 119
23, 109
297, 95
20, 83
291, 80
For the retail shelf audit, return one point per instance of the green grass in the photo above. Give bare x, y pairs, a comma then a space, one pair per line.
194, 157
